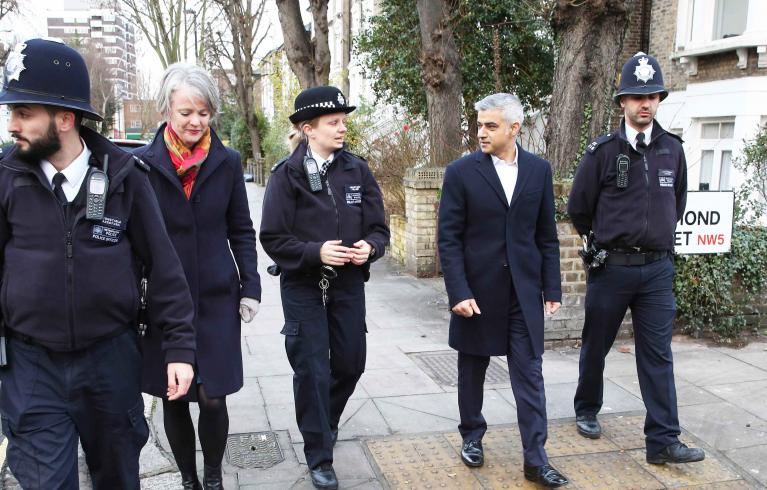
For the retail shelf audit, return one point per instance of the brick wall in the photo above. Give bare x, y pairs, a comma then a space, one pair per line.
722, 66
397, 225
663, 44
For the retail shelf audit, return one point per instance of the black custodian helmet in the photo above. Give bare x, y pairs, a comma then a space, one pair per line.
641, 75
48, 72
317, 101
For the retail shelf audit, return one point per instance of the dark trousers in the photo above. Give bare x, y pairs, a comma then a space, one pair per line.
647, 290
49, 399
525, 371
326, 349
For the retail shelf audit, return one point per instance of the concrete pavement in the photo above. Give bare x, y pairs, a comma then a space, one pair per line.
408, 390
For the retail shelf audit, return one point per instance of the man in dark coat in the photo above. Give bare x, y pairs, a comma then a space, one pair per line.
70, 287
500, 257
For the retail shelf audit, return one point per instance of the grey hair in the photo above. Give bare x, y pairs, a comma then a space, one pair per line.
508, 103
192, 76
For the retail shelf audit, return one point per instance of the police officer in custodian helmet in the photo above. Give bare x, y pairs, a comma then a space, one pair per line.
629, 192
323, 224
78, 219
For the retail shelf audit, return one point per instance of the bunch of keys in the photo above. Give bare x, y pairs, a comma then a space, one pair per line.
328, 274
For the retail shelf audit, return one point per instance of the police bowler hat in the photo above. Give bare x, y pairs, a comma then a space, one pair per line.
641, 75
48, 72
317, 101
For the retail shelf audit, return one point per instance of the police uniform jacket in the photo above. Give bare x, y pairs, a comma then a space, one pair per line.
488, 246
296, 221
70, 282
645, 213
213, 235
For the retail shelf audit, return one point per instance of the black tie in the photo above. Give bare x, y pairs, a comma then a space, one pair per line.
641, 146
58, 179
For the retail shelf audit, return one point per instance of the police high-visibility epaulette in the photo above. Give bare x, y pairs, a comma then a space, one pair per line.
277, 165
592, 148
141, 164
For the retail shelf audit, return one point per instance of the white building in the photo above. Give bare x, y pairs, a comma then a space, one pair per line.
714, 58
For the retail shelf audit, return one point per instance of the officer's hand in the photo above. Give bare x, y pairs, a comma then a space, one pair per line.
552, 307
180, 375
467, 308
333, 253
248, 309
361, 252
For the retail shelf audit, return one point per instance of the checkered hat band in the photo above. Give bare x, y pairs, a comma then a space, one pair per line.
328, 104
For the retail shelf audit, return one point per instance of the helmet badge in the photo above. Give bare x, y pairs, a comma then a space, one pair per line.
643, 71
14, 65
341, 99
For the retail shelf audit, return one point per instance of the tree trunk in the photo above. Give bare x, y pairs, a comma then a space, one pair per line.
442, 80
472, 140
309, 60
346, 47
590, 37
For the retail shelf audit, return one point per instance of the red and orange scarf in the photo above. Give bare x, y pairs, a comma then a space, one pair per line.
186, 162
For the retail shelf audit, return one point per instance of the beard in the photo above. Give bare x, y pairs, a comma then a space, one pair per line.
42, 148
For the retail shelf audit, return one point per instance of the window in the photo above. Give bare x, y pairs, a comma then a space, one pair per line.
134, 108
730, 18
717, 142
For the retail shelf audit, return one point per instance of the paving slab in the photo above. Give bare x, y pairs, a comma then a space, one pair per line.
709, 367
686, 392
723, 425
753, 460
750, 396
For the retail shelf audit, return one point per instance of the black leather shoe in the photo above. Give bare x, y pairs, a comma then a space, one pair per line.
189, 481
545, 475
324, 476
677, 453
212, 479
472, 454
588, 426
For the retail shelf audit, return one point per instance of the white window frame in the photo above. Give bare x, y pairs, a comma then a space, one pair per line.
717, 145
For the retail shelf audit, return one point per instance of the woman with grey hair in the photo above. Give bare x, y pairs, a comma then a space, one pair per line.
200, 187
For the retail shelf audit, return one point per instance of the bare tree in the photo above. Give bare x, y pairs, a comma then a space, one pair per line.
166, 25
442, 79
346, 45
309, 58
148, 116
590, 36
237, 48
103, 95
7, 7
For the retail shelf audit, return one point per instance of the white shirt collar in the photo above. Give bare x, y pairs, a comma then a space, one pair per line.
497, 161
631, 134
74, 173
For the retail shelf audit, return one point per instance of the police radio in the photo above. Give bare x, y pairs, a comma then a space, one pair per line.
98, 183
622, 163
312, 173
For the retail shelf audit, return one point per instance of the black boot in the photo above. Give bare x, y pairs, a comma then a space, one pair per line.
189, 481
212, 479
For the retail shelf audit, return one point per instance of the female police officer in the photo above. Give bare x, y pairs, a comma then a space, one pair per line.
323, 224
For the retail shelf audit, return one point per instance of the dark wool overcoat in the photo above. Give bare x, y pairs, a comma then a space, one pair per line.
214, 237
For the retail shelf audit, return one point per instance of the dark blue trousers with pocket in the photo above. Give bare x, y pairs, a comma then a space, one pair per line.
326, 348
50, 399
647, 290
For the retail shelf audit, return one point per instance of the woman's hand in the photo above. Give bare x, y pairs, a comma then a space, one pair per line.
333, 253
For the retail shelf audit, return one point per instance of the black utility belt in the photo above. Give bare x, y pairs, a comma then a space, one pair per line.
623, 257
26, 339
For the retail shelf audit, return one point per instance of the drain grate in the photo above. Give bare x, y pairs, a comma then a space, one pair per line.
442, 367
254, 450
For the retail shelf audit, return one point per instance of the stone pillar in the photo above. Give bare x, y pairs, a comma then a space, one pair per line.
422, 188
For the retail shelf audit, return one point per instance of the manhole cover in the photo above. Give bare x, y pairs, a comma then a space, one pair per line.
442, 367
254, 450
